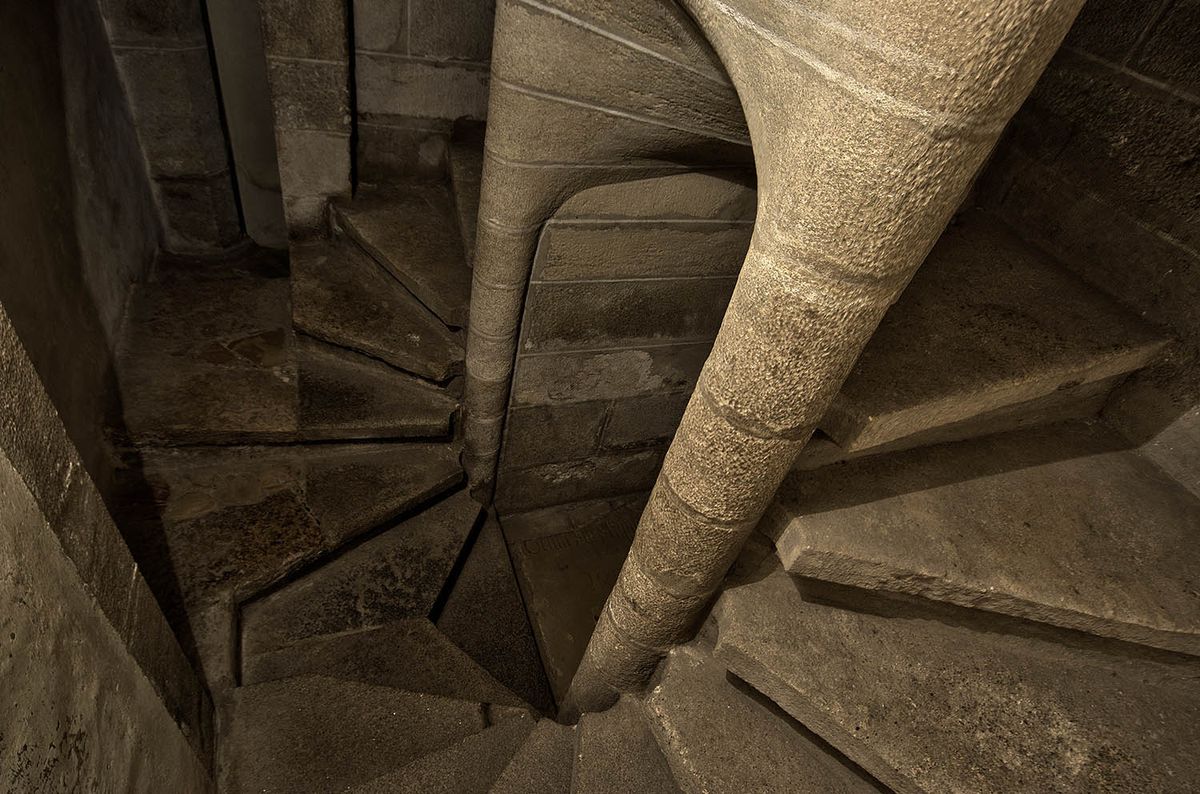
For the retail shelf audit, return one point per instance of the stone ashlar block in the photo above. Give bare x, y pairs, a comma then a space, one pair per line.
305, 29
613, 249
1170, 51
1111, 28
608, 374
583, 315
387, 151
398, 86
552, 433
577, 480
456, 29
313, 163
310, 96
154, 22
639, 420
381, 26
728, 194
199, 214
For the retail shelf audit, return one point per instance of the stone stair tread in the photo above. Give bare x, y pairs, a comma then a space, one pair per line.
358, 487
314, 733
542, 764
344, 396
410, 654
412, 231
722, 741
343, 297
468, 767
988, 321
394, 575
927, 704
1061, 525
466, 179
618, 752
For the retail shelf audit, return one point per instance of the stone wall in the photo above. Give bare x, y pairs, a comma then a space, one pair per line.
161, 48
629, 286
419, 66
1102, 168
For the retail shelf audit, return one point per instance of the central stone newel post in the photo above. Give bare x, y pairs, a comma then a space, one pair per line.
869, 119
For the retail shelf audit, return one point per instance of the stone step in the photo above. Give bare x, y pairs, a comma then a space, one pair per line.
323, 734
1060, 525
410, 654
468, 767
988, 322
720, 740
343, 297
617, 752
412, 231
466, 178
344, 396
395, 575
543, 763
928, 704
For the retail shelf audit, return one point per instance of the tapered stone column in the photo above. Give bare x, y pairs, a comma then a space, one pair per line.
869, 119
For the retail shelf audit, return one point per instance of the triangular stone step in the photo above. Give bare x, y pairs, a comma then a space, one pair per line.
466, 180
395, 575
987, 323
322, 734
468, 767
926, 704
412, 231
720, 740
617, 752
542, 765
345, 396
342, 296
1060, 525
411, 655
357, 487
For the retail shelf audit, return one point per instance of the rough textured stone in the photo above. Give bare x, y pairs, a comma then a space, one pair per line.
552, 433
310, 95
567, 558
381, 26
411, 231
1007, 326
313, 29
342, 296
283, 734
617, 752
1167, 54
455, 29
199, 213
154, 22
929, 704
641, 420
598, 476
397, 148
344, 396
656, 248
622, 313
607, 374
411, 655
1111, 28
1038, 524
719, 739
469, 767
484, 615
314, 165
395, 575
419, 88
466, 178
542, 765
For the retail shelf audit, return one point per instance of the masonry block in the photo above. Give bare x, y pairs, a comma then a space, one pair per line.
155, 22
395, 85
381, 25
577, 480
401, 148
636, 421
313, 163
615, 249
1169, 53
1111, 28
199, 214
552, 433
609, 374
455, 29
305, 29
310, 95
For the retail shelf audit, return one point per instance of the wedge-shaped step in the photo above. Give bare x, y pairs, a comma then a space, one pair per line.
987, 324
929, 705
321, 734
395, 575
412, 231
542, 765
466, 179
1059, 525
617, 752
410, 654
468, 767
342, 296
720, 740
346, 396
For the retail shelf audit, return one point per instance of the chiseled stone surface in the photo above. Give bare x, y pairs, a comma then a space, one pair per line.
410, 654
617, 752
411, 230
542, 765
988, 321
469, 767
926, 704
342, 296
1059, 525
314, 733
719, 740
395, 575
466, 177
